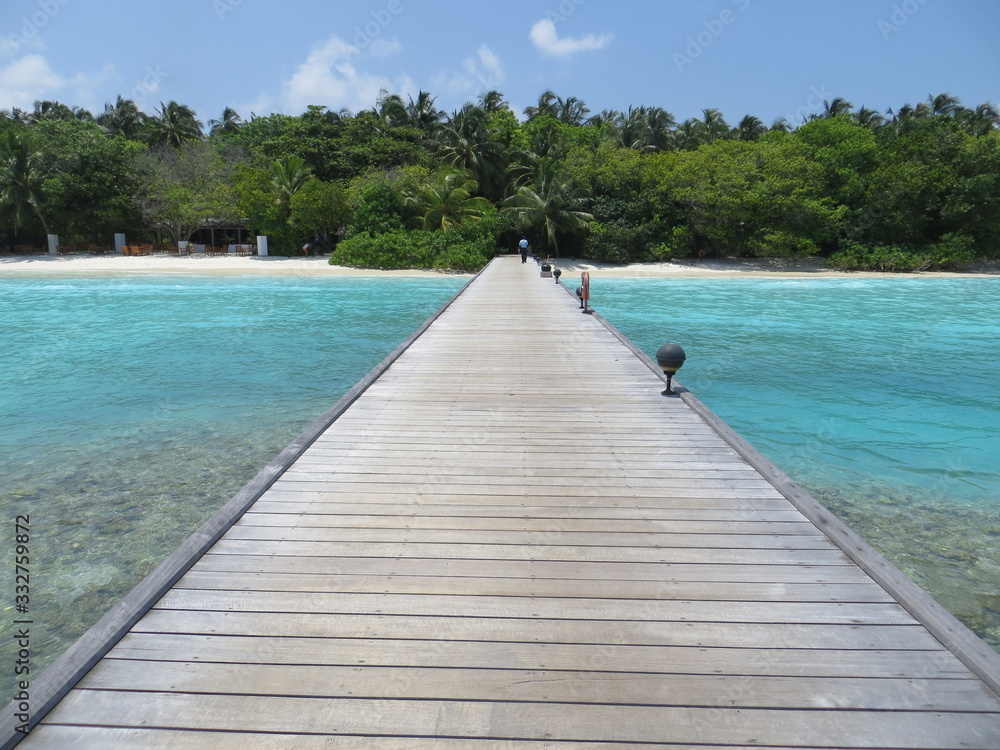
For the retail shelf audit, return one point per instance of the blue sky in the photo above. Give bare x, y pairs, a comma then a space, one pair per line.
769, 58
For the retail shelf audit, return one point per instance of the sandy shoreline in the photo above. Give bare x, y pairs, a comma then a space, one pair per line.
221, 265
211, 265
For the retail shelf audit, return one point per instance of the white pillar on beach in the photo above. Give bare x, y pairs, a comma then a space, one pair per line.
119, 242
53, 244
261, 244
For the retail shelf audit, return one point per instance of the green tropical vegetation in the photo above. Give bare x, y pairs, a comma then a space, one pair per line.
407, 184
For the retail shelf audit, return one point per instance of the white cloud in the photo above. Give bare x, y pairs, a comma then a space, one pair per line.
262, 106
384, 47
491, 66
546, 38
31, 78
328, 78
12, 44
27, 79
86, 85
8, 46
478, 74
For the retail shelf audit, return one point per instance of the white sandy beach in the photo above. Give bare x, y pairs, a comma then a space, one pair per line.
213, 265
113, 265
762, 267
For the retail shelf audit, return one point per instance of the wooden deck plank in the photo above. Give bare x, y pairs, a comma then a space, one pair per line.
102, 738
623, 688
705, 555
309, 510
866, 591
535, 721
539, 608
281, 503
525, 548
568, 492
757, 498
752, 635
303, 520
607, 657
813, 540
534, 569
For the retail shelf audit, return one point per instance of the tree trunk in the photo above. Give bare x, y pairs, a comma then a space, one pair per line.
45, 224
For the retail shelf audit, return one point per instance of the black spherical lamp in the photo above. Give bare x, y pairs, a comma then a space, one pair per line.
670, 358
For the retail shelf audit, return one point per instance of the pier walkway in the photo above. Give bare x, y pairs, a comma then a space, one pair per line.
511, 541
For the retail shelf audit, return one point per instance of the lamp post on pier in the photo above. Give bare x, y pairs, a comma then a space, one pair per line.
670, 358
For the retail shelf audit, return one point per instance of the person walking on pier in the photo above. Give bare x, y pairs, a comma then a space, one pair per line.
523, 245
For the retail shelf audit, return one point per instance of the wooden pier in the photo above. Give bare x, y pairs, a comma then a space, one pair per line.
506, 538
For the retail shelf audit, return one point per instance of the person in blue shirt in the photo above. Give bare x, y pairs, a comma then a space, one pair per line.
523, 244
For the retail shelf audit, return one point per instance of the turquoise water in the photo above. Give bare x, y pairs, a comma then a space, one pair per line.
880, 395
131, 409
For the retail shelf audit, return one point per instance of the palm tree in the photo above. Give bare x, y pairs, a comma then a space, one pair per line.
572, 111
690, 134
781, 125
50, 110
466, 142
713, 125
288, 175
390, 109
838, 106
979, 121
550, 206
22, 175
492, 101
229, 123
448, 202
423, 114
869, 118
173, 124
548, 105
660, 126
943, 104
626, 128
605, 117
750, 129
122, 118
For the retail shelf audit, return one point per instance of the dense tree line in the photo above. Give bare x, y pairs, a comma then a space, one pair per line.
410, 185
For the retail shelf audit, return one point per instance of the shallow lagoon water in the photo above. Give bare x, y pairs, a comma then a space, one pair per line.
879, 395
133, 408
